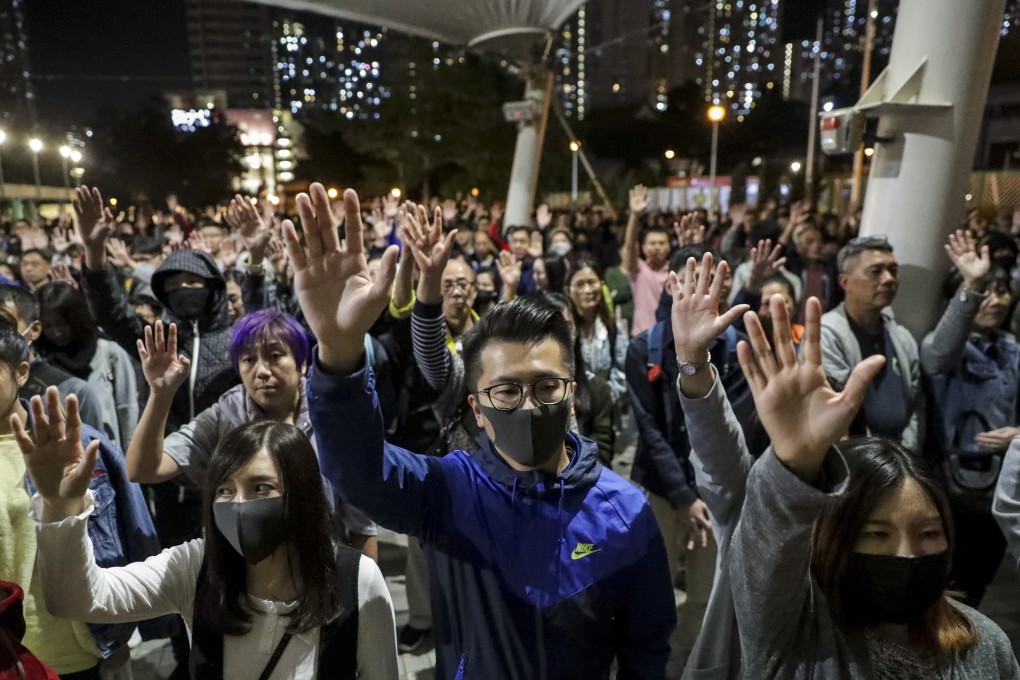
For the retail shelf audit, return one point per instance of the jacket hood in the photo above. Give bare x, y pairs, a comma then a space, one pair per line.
581, 473
201, 264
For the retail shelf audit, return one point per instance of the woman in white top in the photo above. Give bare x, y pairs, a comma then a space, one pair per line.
270, 593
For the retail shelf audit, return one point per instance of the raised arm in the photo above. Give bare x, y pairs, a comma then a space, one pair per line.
942, 350
629, 251
243, 216
804, 417
1006, 506
340, 300
431, 252
165, 371
718, 452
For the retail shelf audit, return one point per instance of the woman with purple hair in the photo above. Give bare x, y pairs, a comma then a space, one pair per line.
270, 352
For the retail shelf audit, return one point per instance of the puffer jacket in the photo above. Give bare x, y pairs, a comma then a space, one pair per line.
205, 341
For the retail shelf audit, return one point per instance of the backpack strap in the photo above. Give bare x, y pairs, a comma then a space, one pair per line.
656, 336
338, 639
369, 350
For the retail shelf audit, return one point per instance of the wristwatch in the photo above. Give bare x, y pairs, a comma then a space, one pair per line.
688, 368
256, 269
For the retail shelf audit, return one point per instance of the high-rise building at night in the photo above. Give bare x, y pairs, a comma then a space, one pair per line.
741, 54
15, 75
570, 65
322, 64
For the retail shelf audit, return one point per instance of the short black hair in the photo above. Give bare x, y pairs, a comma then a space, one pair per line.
524, 320
13, 347
678, 261
23, 300
44, 253
145, 245
782, 281
654, 229
517, 227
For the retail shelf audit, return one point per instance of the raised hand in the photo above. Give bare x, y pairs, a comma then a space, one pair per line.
243, 216
174, 234
638, 199
802, 414
509, 273
164, 369
536, 245
118, 253
700, 525
695, 314
61, 273
971, 264
430, 250
229, 254
60, 467
543, 216
765, 262
197, 242
997, 440
58, 239
689, 230
450, 210
95, 222
277, 256
336, 291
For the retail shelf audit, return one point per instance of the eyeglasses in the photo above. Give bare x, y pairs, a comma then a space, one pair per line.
586, 285
508, 396
461, 284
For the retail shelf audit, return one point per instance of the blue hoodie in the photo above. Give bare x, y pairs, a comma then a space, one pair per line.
532, 575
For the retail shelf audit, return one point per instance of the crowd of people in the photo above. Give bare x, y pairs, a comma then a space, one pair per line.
578, 423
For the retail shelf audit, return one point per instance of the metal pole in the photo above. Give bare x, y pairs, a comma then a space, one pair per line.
809, 170
3, 188
38, 182
711, 171
573, 176
857, 189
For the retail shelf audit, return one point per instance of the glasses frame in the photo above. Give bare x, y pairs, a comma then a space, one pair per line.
526, 388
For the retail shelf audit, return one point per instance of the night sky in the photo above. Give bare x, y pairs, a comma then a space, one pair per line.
87, 52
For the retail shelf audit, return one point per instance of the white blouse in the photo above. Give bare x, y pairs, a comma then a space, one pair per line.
76, 588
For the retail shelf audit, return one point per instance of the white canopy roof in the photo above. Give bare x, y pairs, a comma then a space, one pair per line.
482, 24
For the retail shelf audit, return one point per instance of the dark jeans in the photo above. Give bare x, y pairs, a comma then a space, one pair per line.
90, 674
980, 547
177, 522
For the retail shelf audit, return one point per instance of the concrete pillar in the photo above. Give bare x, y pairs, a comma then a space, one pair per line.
918, 179
527, 153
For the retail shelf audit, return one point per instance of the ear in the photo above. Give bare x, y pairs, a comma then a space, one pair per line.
303, 369
843, 279
34, 331
473, 403
21, 376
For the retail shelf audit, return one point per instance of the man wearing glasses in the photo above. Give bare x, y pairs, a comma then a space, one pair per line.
545, 564
863, 325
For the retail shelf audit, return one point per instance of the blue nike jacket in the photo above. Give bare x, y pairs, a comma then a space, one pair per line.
532, 575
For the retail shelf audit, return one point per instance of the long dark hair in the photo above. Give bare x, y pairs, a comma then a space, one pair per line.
582, 395
72, 306
878, 467
586, 261
308, 521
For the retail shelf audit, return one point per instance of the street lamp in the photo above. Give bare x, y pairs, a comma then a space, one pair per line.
395, 192
795, 167
36, 145
670, 154
3, 189
575, 146
716, 114
65, 155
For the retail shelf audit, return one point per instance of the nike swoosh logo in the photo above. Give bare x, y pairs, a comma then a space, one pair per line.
578, 555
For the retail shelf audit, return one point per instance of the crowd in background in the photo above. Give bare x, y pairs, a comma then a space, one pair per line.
183, 336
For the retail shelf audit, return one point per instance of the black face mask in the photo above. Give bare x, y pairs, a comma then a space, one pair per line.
188, 303
484, 297
255, 529
888, 589
530, 437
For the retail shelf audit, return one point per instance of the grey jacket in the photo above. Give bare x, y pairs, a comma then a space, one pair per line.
1006, 505
841, 352
113, 383
786, 629
721, 464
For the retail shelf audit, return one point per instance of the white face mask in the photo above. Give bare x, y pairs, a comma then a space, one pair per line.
560, 248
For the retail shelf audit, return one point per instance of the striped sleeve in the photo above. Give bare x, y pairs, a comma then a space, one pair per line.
428, 338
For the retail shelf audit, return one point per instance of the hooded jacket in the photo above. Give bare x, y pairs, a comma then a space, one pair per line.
532, 575
205, 341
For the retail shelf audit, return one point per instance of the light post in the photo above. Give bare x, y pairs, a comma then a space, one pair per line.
65, 155
670, 154
575, 146
36, 145
3, 189
716, 114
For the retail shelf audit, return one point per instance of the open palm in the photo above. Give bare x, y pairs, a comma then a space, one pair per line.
695, 314
164, 369
60, 467
334, 286
430, 250
802, 414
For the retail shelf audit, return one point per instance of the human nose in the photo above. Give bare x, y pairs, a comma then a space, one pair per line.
910, 547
